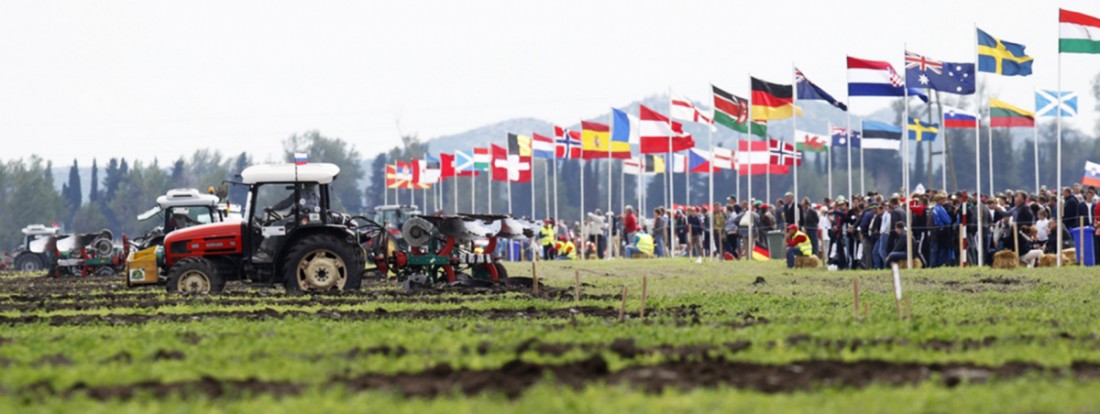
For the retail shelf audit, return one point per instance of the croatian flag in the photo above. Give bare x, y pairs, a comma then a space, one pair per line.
958, 118
300, 158
876, 78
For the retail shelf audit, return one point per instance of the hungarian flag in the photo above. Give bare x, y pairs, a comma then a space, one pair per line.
783, 153
567, 143
1003, 115
483, 159
446, 165
732, 111
771, 100
1078, 33
596, 142
657, 134
755, 158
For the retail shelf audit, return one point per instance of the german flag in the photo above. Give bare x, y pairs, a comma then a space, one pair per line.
771, 100
1003, 115
760, 254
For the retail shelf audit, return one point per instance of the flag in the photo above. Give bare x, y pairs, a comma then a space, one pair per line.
810, 142
624, 128
654, 164
732, 111
698, 161
301, 158
633, 166
754, 158
810, 91
841, 139
876, 78
950, 77
880, 135
404, 174
542, 146
1078, 33
783, 153
446, 165
684, 110
596, 142
391, 177
1046, 103
464, 164
657, 134
679, 163
426, 171
1001, 114
482, 159
760, 254
568, 143
1005, 58
919, 131
499, 162
958, 118
1092, 174
771, 100
723, 158
519, 145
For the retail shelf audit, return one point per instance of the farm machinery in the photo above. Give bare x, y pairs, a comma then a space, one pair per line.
456, 250
83, 254
31, 255
177, 209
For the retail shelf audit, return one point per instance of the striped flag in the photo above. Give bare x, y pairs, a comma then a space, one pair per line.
542, 146
658, 135
1004, 115
1078, 33
958, 118
482, 159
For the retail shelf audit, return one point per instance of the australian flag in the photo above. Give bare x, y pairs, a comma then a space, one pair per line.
840, 138
923, 72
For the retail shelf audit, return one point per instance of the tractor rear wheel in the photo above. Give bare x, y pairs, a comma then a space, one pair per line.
195, 275
321, 262
29, 262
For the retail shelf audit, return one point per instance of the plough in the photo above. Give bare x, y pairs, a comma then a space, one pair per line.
456, 250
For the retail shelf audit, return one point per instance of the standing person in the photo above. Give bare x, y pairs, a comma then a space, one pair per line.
867, 245
1069, 208
882, 246
718, 214
660, 231
747, 217
730, 229
695, 236
941, 234
789, 209
596, 232
798, 244
873, 232
630, 223
811, 223
546, 236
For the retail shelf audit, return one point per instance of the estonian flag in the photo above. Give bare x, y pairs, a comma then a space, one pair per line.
880, 135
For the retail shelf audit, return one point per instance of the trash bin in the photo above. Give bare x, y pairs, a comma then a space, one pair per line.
1082, 243
777, 244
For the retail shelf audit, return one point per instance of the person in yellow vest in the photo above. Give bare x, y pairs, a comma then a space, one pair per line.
565, 248
643, 245
546, 236
798, 244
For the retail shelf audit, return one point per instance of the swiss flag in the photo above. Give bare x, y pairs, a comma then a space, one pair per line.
498, 162
446, 165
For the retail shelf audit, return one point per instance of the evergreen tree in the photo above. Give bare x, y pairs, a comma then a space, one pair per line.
375, 189
73, 194
93, 193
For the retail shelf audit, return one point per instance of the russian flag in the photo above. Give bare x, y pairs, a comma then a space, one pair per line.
300, 158
958, 118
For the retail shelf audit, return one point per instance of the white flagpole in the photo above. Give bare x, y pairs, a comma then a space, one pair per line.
752, 239
905, 174
848, 140
670, 167
943, 149
989, 144
1059, 163
610, 169
1035, 141
978, 155
509, 189
489, 180
851, 139
710, 189
546, 184
794, 141
584, 226
829, 157
473, 183
532, 188
556, 216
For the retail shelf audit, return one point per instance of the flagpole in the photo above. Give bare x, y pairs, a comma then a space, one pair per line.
454, 190
584, 226
710, 188
905, 174
989, 144
751, 248
670, 167
473, 183
610, 169
1035, 140
851, 139
848, 140
978, 155
546, 184
509, 190
943, 145
1058, 110
556, 216
489, 180
794, 142
829, 159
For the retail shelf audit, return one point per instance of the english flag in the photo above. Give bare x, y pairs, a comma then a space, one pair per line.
684, 110
659, 135
723, 158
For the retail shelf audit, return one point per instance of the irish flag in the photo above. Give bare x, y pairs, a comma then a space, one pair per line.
1078, 33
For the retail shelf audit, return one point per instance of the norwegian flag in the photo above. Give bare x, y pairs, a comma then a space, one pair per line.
567, 143
783, 153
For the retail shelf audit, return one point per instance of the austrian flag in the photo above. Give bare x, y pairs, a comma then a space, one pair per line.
659, 135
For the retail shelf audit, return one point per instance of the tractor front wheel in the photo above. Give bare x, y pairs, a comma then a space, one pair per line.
321, 262
195, 275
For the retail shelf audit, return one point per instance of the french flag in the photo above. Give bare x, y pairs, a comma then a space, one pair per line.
300, 158
876, 78
958, 118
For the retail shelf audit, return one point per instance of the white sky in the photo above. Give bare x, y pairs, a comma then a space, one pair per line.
145, 79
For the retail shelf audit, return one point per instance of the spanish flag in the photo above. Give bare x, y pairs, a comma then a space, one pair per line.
771, 101
596, 142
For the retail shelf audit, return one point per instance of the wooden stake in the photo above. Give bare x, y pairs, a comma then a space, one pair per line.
855, 295
866, 310
535, 276
622, 306
645, 284
576, 286
908, 310
1016, 239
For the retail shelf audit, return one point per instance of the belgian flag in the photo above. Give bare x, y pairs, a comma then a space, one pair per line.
771, 101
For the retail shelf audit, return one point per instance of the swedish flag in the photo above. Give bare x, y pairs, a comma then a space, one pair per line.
1005, 58
920, 131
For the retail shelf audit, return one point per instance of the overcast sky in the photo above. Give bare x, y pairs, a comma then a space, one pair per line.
145, 79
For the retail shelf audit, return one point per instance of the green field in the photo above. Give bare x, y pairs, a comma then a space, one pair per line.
716, 337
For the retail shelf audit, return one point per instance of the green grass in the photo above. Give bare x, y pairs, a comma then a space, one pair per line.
1042, 316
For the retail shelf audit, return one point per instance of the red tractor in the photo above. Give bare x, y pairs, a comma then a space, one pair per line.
289, 235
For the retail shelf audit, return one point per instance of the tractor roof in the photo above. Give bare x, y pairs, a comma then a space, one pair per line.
321, 173
37, 229
186, 197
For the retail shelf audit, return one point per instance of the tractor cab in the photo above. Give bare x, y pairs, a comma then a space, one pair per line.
31, 255
288, 235
393, 216
179, 209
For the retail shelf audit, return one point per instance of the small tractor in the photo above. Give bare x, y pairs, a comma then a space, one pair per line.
289, 235
393, 216
31, 256
178, 209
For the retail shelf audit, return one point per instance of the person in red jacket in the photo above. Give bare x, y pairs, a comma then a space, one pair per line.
630, 223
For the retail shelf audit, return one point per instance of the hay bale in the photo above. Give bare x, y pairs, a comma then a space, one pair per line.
1048, 260
1006, 259
1069, 257
809, 262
